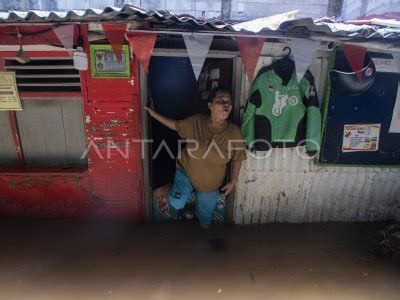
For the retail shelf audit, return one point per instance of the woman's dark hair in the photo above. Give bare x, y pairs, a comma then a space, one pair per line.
215, 91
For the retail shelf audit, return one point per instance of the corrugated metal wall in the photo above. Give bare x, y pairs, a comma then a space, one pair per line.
287, 187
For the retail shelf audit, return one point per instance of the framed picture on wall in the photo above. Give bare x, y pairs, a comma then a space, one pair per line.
105, 64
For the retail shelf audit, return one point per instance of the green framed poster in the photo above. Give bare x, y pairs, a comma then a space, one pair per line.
104, 63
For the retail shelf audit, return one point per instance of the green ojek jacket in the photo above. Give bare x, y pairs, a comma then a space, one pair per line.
284, 114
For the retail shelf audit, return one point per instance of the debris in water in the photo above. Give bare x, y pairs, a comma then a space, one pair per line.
388, 241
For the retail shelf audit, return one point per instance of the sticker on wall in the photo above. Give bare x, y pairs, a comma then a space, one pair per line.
104, 63
361, 137
9, 98
384, 65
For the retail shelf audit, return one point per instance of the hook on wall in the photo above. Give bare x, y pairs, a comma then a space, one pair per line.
288, 50
21, 57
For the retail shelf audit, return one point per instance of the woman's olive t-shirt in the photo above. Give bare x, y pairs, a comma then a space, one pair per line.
206, 154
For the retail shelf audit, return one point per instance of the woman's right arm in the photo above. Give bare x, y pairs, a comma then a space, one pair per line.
170, 123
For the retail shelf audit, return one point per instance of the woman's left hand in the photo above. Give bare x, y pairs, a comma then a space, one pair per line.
227, 189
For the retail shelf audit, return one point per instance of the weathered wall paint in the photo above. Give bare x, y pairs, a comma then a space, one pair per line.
287, 188
112, 185
49, 195
114, 159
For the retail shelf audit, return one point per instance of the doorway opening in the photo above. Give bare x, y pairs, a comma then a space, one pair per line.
174, 92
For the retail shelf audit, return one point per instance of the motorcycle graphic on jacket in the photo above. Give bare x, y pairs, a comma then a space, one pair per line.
280, 103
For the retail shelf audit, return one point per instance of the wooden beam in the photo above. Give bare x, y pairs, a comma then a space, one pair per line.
15, 135
184, 53
51, 84
39, 67
48, 76
147, 191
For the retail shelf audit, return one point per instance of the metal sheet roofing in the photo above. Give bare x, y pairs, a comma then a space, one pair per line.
168, 20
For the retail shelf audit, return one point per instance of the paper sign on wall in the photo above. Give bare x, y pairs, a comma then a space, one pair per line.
105, 64
361, 137
385, 65
9, 98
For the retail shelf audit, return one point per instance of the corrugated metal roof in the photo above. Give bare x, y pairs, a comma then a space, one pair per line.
166, 19
126, 13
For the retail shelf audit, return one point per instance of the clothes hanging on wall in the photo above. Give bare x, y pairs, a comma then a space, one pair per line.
280, 112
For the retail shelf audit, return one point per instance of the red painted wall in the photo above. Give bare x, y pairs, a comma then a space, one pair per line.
112, 186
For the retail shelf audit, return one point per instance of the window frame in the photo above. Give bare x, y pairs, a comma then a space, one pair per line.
20, 167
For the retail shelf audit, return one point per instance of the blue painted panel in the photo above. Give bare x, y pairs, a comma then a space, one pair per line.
373, 106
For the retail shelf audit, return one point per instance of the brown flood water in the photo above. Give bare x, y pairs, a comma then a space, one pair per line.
69, 259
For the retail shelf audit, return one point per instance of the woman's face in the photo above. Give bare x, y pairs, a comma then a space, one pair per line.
221, 106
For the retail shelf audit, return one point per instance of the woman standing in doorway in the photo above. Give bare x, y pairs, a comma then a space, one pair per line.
212, 141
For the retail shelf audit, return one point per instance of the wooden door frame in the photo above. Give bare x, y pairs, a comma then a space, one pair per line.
144, 94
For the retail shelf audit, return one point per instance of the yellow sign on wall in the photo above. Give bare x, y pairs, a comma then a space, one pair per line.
9, 98
361, 137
